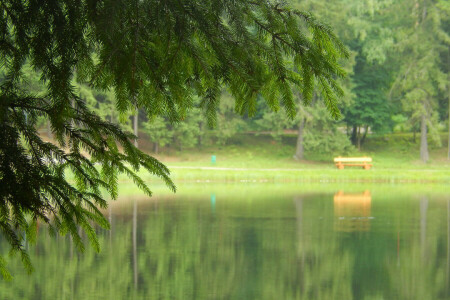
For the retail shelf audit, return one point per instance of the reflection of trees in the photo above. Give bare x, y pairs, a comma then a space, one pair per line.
421, 273
135, 266
58, 276
447, 277
362, 265
324, 271
185, 259
254, 250
423, 225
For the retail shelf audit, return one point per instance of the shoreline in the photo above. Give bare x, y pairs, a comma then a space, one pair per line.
204, 174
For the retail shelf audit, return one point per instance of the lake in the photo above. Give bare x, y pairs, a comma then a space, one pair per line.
253, 241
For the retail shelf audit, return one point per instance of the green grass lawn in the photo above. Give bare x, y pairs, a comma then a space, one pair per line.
251, 158
325, 175
395, 151
259, 159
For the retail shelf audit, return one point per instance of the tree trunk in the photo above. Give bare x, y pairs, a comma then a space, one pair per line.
135, 127
49, 130
155, 148
363, 139
424, 156
358, 136
353, 138
448, 62
73, 106
414, 134
200, 136
448, 154
299, 151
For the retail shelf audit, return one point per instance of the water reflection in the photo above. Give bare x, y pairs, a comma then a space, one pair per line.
264, 246
352, 211
135, 267
423, 225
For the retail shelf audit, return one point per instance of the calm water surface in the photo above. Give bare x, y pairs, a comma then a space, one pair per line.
262, 242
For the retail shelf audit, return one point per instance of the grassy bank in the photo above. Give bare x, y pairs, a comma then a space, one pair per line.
303, 175
313, 175
394, 151
254, 158
260, 159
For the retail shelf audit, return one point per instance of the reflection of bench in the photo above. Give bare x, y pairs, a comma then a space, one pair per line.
364, 162
352, 211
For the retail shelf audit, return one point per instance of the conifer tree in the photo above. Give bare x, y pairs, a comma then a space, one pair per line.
418, 81
155, 56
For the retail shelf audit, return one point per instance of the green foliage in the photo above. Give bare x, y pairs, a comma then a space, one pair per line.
154, 56
158, 132
193, 131
187, 132
402, 60
400, 123
275, 123
323, 134
420, 77
228, 121
370, 106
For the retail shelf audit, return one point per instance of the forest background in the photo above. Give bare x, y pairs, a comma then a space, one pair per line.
397, 95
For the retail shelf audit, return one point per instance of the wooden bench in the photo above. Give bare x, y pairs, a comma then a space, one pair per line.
364, 162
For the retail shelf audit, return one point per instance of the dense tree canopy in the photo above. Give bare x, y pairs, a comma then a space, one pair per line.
153, 55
